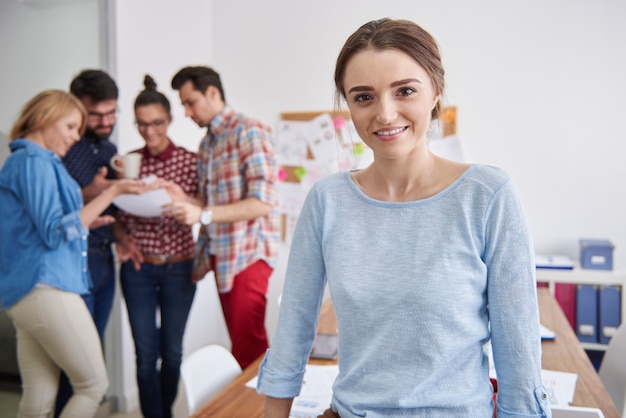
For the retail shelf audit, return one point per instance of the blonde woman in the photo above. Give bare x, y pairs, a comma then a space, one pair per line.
43, 257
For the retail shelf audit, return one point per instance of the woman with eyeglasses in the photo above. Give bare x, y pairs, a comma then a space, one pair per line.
158, 277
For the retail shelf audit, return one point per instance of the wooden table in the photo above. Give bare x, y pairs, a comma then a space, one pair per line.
565, 354
562, 354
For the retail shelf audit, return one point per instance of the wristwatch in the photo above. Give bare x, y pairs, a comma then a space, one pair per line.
206, 216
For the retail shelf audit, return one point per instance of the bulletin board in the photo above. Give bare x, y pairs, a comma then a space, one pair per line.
290, 170
309, 146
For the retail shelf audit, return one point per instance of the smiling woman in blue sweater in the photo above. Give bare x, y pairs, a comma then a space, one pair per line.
426, 259
43, 257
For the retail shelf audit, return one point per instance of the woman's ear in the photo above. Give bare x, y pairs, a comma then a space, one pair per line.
436, 99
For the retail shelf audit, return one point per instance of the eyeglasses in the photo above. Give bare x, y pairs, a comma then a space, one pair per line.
156, 124
101, 116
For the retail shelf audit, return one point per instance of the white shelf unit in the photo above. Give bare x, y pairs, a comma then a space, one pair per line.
587, 276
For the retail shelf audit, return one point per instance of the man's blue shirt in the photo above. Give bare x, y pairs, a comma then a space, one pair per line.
83, 161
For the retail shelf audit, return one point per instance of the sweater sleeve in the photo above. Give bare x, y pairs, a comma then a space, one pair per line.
283, 368
513, 308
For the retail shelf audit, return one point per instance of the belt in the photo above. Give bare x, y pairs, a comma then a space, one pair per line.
164, 259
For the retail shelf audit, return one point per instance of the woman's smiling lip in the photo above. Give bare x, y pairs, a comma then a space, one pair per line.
389, 134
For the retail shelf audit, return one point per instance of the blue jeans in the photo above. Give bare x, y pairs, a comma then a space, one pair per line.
167, 289
99, 302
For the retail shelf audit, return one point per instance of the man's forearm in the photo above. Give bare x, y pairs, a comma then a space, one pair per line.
246, 209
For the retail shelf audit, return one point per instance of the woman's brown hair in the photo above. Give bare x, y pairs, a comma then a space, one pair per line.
401, 35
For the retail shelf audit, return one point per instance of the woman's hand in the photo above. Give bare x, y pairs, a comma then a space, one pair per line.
131, 186
174, 190
277, 407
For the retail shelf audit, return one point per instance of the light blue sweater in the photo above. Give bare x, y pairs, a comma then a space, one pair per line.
419, 288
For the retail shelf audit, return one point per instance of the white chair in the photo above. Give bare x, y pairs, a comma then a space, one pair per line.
205, 372
613, 369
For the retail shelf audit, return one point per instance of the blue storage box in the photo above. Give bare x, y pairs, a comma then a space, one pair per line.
596, 254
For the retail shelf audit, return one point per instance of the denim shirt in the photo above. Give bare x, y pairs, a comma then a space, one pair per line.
419, 288
42, 239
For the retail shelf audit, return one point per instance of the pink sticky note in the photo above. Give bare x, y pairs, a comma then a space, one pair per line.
282, 174
339, 122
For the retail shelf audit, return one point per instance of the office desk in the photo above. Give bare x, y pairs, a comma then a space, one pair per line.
565, 354
562, 354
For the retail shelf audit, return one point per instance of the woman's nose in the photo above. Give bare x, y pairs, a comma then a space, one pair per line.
386, 111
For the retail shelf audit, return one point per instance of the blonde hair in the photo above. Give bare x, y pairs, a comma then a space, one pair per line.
45, 109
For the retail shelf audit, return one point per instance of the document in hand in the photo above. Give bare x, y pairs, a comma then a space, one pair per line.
146, 204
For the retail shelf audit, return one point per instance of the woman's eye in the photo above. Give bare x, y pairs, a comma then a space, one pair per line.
362, 98
406, 91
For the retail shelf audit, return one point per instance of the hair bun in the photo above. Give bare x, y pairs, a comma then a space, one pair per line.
149, 83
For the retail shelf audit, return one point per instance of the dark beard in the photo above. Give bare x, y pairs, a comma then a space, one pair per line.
93, 134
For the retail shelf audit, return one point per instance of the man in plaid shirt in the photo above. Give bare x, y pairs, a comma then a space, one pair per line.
237, 175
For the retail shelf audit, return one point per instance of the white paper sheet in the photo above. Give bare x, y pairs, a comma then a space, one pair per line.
576, 412
146, 205
560, 386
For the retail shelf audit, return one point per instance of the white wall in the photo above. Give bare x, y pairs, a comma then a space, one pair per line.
158, 37
43, 47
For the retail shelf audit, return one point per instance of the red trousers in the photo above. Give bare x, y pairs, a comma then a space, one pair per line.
244, 311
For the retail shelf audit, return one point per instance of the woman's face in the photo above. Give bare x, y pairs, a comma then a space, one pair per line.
152, 122
390, 97
62, 134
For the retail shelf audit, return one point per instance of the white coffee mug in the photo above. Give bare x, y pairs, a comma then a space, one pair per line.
129, 164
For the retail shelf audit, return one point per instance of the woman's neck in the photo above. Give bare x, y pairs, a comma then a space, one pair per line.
408, 179
156, 150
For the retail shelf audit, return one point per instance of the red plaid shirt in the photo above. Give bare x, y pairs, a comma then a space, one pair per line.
236, 161
164, 235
